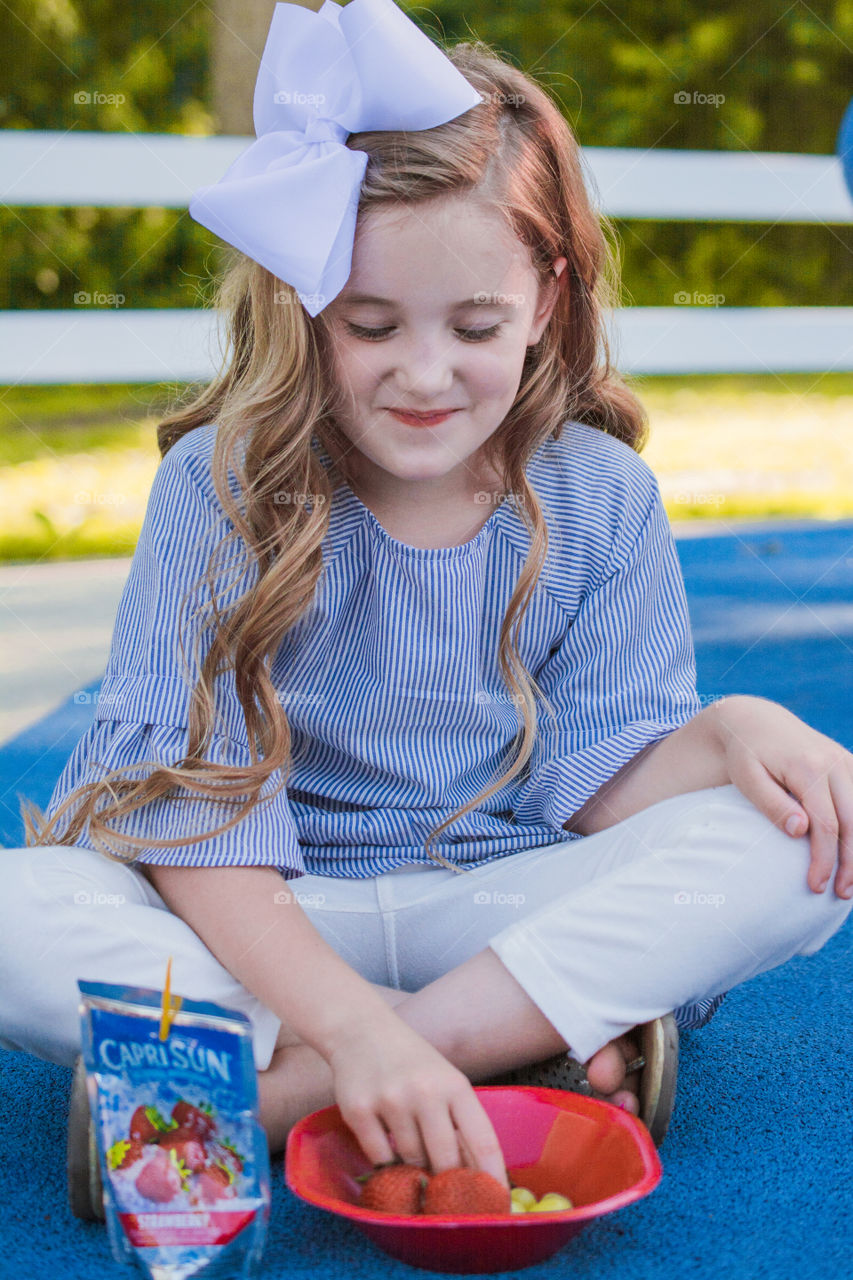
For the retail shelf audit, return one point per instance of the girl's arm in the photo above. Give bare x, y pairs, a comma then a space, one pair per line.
250, 919
688, 759
798, 777
389, 1081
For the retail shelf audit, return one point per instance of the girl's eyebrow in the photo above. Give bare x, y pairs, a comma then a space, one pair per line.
356, 298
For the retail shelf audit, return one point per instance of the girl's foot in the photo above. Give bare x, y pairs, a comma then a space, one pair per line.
606, 1073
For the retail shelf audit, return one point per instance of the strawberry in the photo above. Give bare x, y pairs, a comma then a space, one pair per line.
146, 1124
199, 1122
227, 1154
461, 1191
159, 1179
187, 1147
123, 1153
215, 1183
395, 1189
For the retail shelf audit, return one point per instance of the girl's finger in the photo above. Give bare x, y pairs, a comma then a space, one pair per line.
404, 1135
467, 1158
841, 786
440, 1136
371, 1137
823, 824
482, 1142
754, 781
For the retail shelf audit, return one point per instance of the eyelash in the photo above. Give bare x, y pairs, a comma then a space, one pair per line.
371, 335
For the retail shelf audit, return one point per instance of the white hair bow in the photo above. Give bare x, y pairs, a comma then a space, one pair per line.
290, 200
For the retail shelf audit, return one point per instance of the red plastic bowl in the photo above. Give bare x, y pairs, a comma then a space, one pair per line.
598, 1156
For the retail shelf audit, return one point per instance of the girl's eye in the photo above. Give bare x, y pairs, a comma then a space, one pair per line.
371, 335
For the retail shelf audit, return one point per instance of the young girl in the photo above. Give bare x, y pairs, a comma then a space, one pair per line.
453, 642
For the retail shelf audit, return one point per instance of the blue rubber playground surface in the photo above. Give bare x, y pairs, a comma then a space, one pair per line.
758, 1158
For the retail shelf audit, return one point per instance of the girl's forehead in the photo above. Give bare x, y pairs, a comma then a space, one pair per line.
443, 217
446, 244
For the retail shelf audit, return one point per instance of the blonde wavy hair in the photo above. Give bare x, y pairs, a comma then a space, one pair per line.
274, 392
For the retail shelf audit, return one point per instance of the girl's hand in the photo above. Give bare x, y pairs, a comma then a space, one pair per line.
396, 1088
770, 752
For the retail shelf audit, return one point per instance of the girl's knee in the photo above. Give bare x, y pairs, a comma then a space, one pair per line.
48, 891
74, 876
767, 864
62, 917
725, 816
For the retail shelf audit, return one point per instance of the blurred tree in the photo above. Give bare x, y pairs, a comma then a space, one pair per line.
238, 35
102, 66
761, 77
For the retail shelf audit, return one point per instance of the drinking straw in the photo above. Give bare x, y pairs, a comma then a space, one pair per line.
170, 1006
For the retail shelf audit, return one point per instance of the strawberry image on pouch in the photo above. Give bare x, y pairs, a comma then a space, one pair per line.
159, 1179
215, 1183
195, 1119
186, 1146
146, 1124
124, 1153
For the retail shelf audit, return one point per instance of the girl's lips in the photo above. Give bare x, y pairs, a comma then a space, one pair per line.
421, 419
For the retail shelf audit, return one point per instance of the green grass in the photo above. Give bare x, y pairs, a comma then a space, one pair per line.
37, 422
738, 384
77, 462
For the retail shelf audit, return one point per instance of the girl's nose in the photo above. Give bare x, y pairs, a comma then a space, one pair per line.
426, 368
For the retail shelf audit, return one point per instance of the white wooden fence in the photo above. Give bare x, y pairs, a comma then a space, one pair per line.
105, 339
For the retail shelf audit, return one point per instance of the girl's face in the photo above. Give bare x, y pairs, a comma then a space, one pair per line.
439, 309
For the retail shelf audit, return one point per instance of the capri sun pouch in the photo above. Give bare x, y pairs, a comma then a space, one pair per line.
184, 1159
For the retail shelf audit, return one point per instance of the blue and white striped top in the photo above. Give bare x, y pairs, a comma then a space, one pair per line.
397, 710
391, 682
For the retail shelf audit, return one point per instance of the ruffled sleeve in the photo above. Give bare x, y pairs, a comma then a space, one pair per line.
265, 837
623, 676
141, 714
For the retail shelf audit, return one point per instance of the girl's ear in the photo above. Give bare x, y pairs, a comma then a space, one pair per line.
558, 277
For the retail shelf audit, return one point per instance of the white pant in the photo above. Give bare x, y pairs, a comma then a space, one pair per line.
678, 903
